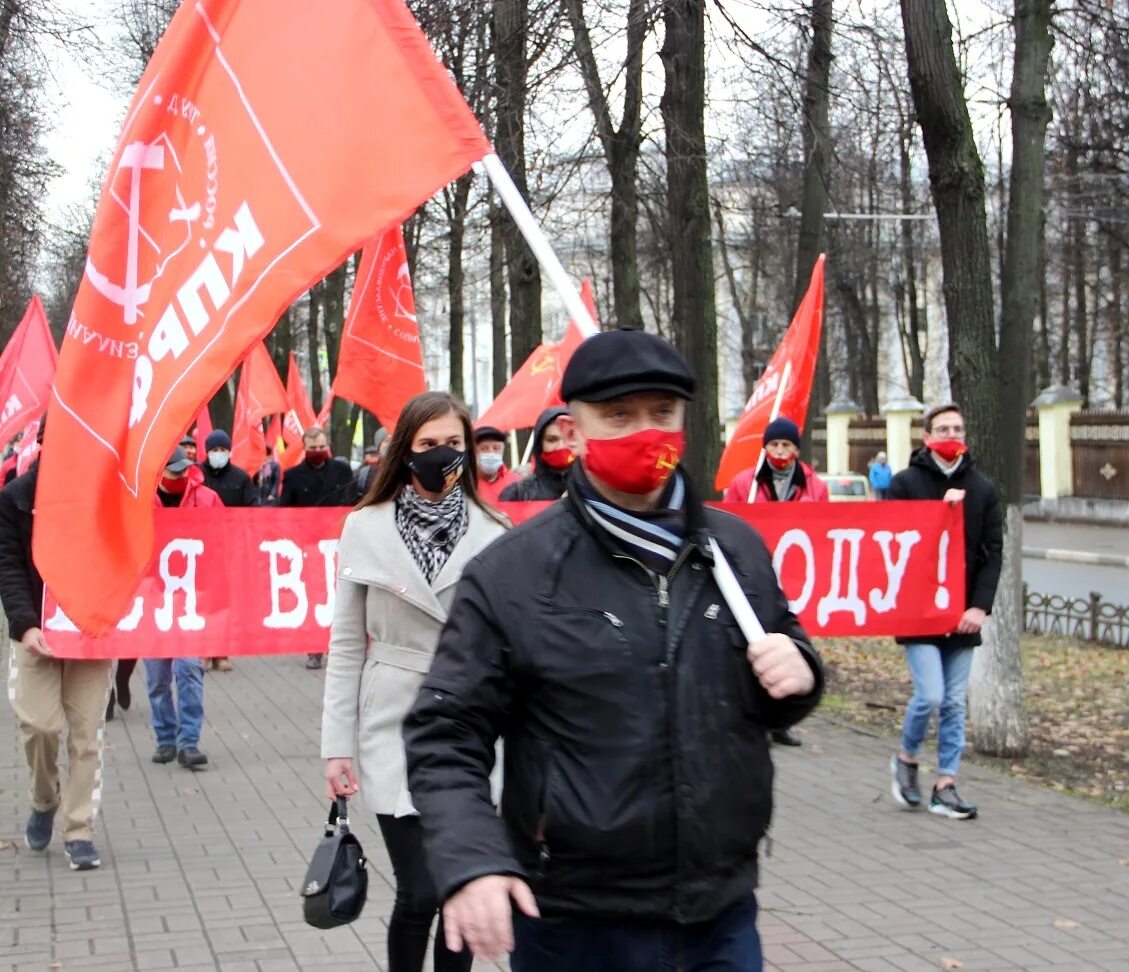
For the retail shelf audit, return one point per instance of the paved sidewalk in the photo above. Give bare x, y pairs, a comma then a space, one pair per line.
200, 870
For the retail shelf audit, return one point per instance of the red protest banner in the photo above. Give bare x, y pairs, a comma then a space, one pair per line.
894, 568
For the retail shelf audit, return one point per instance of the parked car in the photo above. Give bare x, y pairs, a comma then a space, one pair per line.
847, 488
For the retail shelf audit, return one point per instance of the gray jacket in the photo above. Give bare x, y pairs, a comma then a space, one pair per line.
386, 623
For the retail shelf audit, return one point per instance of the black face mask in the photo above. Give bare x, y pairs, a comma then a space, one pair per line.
437, 468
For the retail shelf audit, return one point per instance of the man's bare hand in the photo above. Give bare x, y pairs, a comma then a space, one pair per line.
954, 496
972, 621
480, 916
780, 666
34, 642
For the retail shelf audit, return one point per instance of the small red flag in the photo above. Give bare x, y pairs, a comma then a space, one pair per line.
299, 417
260, 394
27, 368
788, 377
536, 385
237, 181
204, 428
380, 364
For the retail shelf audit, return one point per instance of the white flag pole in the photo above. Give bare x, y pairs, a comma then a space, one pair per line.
538, 243
784, 378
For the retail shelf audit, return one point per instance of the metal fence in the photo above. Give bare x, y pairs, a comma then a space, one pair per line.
1089, 619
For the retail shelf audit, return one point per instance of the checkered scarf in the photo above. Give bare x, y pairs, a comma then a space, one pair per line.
431, 531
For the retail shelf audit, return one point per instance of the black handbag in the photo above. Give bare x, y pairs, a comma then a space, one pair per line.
336, 883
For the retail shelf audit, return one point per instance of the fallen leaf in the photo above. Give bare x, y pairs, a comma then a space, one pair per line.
190, 791
4, 844
1065, 923
951, 963
815, 749
1124, 861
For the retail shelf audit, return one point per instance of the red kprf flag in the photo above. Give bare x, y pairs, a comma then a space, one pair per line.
203, 429
536, 385
238, 180
380, 365
27, 368
787, 379
299, 417
260, 394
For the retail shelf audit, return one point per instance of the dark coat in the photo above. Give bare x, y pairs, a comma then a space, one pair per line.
983, 531
21, 587
233, 484
638, 781
330, 485
544, 483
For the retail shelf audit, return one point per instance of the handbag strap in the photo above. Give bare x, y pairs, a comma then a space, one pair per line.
338, 817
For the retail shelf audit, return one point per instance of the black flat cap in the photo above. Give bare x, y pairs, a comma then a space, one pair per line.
487, 433
612, 364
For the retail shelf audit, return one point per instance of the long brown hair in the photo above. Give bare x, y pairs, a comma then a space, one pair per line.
393, 474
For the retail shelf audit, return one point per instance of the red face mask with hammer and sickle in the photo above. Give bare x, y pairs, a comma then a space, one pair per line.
638, 463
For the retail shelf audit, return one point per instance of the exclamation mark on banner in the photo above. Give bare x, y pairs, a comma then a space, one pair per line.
941, 598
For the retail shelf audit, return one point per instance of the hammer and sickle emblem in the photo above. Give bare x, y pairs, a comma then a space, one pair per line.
545, 361
667, 460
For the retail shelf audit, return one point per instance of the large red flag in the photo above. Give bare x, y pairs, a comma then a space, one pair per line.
299, 417
380, 365
238, 180
27, 368
260, 394
204, 428
536, 385
785, 387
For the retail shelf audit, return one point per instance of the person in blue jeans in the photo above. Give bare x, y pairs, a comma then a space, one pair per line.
940, 664
880, 476
176, 724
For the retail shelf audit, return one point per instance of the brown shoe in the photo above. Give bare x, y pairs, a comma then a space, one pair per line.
222, 665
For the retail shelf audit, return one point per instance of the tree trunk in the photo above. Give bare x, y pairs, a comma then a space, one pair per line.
999, 711
694, 317
1081, 311
456, 198
313, 345
1117, 325
915, 373
510, 39
501, 370
621, 150
956, 177
817, 148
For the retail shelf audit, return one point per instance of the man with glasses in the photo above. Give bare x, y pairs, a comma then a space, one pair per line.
943, 470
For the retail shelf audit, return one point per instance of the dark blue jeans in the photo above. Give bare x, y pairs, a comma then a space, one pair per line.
176, 723
728, 943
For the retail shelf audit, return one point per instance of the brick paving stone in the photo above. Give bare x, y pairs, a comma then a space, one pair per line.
200, 869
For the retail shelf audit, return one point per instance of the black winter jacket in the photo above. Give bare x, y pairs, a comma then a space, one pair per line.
544, 483
331, 484
233, 484
21, 587
983, 531
638, 781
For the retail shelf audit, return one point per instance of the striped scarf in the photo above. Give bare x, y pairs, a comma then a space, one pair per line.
431, 531
654, 538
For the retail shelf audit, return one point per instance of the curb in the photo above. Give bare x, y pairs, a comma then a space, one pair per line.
1076, 557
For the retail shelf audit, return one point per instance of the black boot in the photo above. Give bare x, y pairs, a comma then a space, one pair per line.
121, 682
785, 737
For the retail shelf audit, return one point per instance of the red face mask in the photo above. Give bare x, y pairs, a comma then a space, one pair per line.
779, 462
174, 486
318, 457
947, 450
638, 463
558, 458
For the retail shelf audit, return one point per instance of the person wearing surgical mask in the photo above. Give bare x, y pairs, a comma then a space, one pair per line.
235, 488
490, 454
401, 554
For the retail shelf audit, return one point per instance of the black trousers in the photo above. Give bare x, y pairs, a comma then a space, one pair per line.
416, 902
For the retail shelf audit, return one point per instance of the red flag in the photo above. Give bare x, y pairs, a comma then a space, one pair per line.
323, 417
380, 364
237, 181
29, 447
260, 394
785, 387
536, 385
203, 430
27, 368
299, 417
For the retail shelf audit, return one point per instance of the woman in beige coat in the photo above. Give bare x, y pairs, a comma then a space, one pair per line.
400, 555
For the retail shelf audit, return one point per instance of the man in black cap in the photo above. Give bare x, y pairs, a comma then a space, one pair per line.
490, 455
596, 639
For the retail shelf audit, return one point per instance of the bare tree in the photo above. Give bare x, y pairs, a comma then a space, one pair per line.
695, 316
